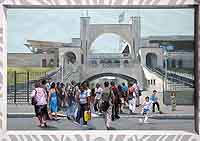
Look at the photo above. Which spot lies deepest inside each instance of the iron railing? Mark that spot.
(20, 85)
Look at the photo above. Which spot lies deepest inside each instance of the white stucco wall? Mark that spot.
(28, 59)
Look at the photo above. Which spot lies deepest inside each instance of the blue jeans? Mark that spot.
(82, 109)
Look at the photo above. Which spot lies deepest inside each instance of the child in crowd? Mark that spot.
(154, 100)
(146, 108)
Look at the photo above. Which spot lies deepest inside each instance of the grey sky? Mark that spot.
(63, 24)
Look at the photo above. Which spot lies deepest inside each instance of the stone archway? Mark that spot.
(151, 60)
(96, 76)
(151, 50)
(108, 41)
(129, 32)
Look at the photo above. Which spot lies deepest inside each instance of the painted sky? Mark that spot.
(63, 24)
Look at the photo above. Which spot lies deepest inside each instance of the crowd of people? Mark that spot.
(107, 100)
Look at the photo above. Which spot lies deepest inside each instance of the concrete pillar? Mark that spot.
(56, 58)
(136, 36)
(121, 63)
(84, 22)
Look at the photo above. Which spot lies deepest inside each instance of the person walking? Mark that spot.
(137, 92)
(115, 109)
(84, 104)
(131, 99)
(48, 84)
(121, 98)
(92, 100)
(62, 95)
(98, 93)
(154, 100)
(87, 89)
(71, 93)
(125, 93)
(106, 104)
(146, 108)
(59, 95)
(44, 86)
(66, 94)
(53, 99)
(39, 99)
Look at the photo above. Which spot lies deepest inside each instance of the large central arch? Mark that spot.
(123, 30)
(129, 32)
(100, 41)
(96, 76)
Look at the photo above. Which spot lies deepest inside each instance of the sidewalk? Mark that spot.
(182, 112)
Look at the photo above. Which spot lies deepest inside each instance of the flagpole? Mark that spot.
(121, 19)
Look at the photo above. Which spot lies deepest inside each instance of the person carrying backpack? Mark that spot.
(106, 104)
(39, 100)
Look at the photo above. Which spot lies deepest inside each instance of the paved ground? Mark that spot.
(98, 124)
(187, 109)
(127, 122)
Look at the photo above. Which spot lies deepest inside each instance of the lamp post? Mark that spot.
(62, 68)
(165, 82)
(45, 57)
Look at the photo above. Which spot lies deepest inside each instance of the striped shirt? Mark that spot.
(83, 97)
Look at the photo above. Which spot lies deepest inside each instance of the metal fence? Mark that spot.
(181, 85)
(20, 85)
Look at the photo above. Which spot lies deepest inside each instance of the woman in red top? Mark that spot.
(131, 98)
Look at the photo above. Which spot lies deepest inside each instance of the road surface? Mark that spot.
(123, 123)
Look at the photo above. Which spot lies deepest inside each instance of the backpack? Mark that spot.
(104, 103)
(34, 100)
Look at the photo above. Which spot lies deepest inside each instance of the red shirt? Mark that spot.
(131, 90)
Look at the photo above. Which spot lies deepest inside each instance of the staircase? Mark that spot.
(72, 72)
(174, 81)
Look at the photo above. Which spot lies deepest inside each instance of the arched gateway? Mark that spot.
(129, 32)
(96, 76)
(88, 34)
(75, 59)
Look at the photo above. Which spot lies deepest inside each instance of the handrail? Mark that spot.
(175, 77)
(172, 78)
(53, 73)
(154, 71)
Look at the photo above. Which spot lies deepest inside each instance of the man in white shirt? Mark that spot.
(98, 92)
(137, 89)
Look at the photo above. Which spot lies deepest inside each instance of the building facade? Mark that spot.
(75, 57)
